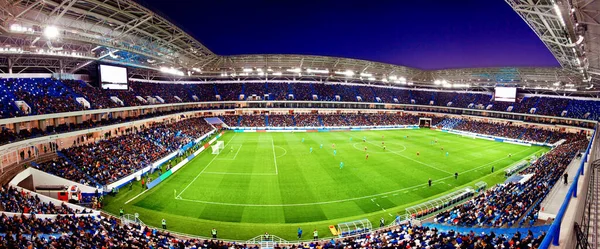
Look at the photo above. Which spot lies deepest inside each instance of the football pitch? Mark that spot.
(272, 182)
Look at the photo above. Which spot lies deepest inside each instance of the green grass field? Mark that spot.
(271, 182)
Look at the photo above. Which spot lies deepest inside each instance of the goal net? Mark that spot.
(218, 147)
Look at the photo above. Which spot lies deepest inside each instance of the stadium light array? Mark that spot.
(461, 85)
(170, 70)
(559, 14)
(51, 32)
(15, 27)
(323, 71)
(247, 70)
(366, 75)
(260, 73)
(393, 77)
(294, 70)
(277, 73)
(347, 73)
(371, 78)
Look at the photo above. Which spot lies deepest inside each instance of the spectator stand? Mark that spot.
(436, 205)
(354, 227)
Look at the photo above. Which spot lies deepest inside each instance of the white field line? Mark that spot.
(241, 174)
(275, 156)
(234, 157)
(406, 190)
(205, 167)
(136, 196)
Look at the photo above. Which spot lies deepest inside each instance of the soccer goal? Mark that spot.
(218, 147)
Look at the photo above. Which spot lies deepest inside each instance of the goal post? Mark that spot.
(425, 122)
(218, 147)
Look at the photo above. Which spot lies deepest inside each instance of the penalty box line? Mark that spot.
(204, 169)
(234, 156)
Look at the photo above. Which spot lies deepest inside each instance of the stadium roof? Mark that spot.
(66, 36)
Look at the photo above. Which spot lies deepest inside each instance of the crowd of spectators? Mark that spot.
(252, 121)
(49, 96)
(506, 205)
(280, 120)
(411, 236)
(303, 120)
(68, 231)
(317, 120)
(509, 130)
(9, 136)
(14, 201)
(108, 160)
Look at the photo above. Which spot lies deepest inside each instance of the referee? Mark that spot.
(213, 232)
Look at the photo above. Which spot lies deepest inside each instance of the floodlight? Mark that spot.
(324, 71)
(348, 73)
(247, 70)
(365, 75)
(277, 73)
(51, 32)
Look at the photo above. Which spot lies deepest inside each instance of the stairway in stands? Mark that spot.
(593, 216)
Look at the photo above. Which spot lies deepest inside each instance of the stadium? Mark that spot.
(121, 130)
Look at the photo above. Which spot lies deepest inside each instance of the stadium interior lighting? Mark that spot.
(259, 69)
(579, 40)
(247, 70)
(366, 75)
(243, 74)
(393, 77)
(559, 14)
(324, 71)
(51, 32)
(461, 85)
(277, 73)
(347, 73)
(294, 70)
(269, 70)
(15, 27)
(171, 70)
(197, 69)
(402, 79)
(260, 73)
(371, 78)
(223, 74)
(384, 79)
(556, 84)
(571, 90)
(569, 85)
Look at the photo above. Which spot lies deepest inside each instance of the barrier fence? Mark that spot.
(553, 235)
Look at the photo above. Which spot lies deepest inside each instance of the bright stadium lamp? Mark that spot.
(51, 32)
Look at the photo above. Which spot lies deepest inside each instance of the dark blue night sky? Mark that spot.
(422, 34)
